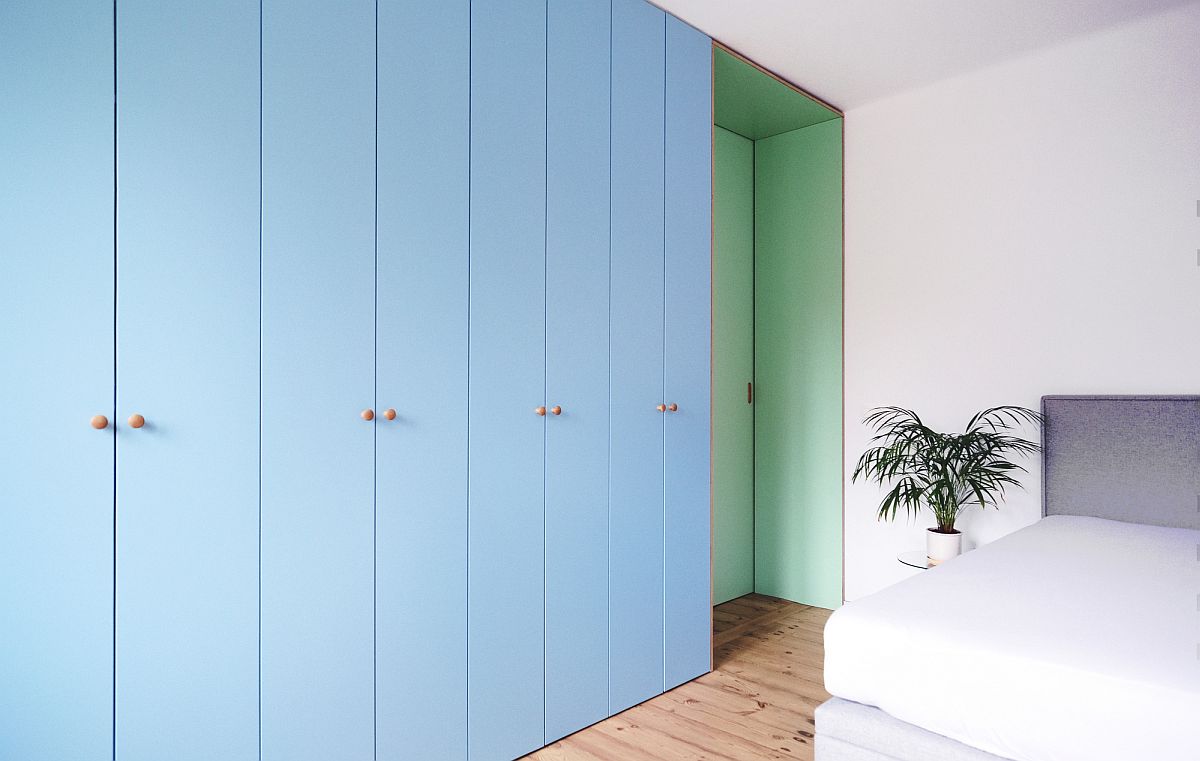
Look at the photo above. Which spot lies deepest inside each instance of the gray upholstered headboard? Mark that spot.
(1126, 458)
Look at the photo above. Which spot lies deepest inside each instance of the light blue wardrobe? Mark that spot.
(577, 364)
(317, 683)
(56, 380)
(687, 320)
(659, 529)
(637, 498)
(507, 380)
(187, 360)
(422, 288)
(360, 392)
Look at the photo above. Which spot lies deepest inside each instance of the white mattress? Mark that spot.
(1074, 638)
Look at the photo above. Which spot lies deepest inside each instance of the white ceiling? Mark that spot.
(850, 52)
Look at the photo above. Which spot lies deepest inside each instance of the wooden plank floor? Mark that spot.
(757, 703)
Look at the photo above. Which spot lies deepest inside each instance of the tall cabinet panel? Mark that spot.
(56, 347)
(636, 377)
(577, 197)
(421, 361)
(187, 361)
(318, 351)
(688, 344)
(507, 379)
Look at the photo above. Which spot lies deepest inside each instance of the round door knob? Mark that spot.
(368, 414)
(556, 410)
(661, 408)
(136, 421)
(673, 407)
(99, 422)
(540, 411)
(389, 413)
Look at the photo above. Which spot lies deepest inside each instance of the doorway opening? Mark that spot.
(777, 339)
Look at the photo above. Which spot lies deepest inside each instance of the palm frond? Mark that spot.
(944, 472)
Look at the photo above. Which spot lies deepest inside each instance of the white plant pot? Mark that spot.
(941, 547)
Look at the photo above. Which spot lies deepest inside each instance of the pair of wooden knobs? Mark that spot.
(100, 422)
(541, 411)
(369, 414)
(672, 407)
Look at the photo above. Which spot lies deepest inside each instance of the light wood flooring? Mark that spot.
(757, 703)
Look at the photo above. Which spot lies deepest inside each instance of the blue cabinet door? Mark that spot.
(505, 671)
(636, 375)
(688, 338)
(577, 365)
(421, 453)
(187, 361)
(56, 348)
(318, 375)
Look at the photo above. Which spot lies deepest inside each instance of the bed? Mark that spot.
(1075, 638)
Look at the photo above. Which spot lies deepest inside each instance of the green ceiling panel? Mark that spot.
(756, 105)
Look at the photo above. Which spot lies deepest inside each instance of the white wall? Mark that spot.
(1027, 229)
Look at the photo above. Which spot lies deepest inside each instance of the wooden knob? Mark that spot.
(99, 422)
(136, 421)
(556, 410)
(389, 413)
(540, 411)
(673, 407)
(368, 414)
(661, 408)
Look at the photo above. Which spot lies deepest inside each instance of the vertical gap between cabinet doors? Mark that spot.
(260, 362)
(375, 432)
(114, 390)
(467, 469)
(608, 370)
(545, 331)
(666, 74)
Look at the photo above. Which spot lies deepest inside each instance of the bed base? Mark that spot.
(848, 731)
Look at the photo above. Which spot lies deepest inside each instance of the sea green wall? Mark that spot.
(798, 365)
(733, 366)
(777, 291)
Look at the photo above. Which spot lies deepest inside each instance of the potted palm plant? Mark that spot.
(945, 472)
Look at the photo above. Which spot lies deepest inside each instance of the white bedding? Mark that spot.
(1071, 639)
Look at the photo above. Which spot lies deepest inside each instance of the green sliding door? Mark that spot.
(798, 364)
(733, 369)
